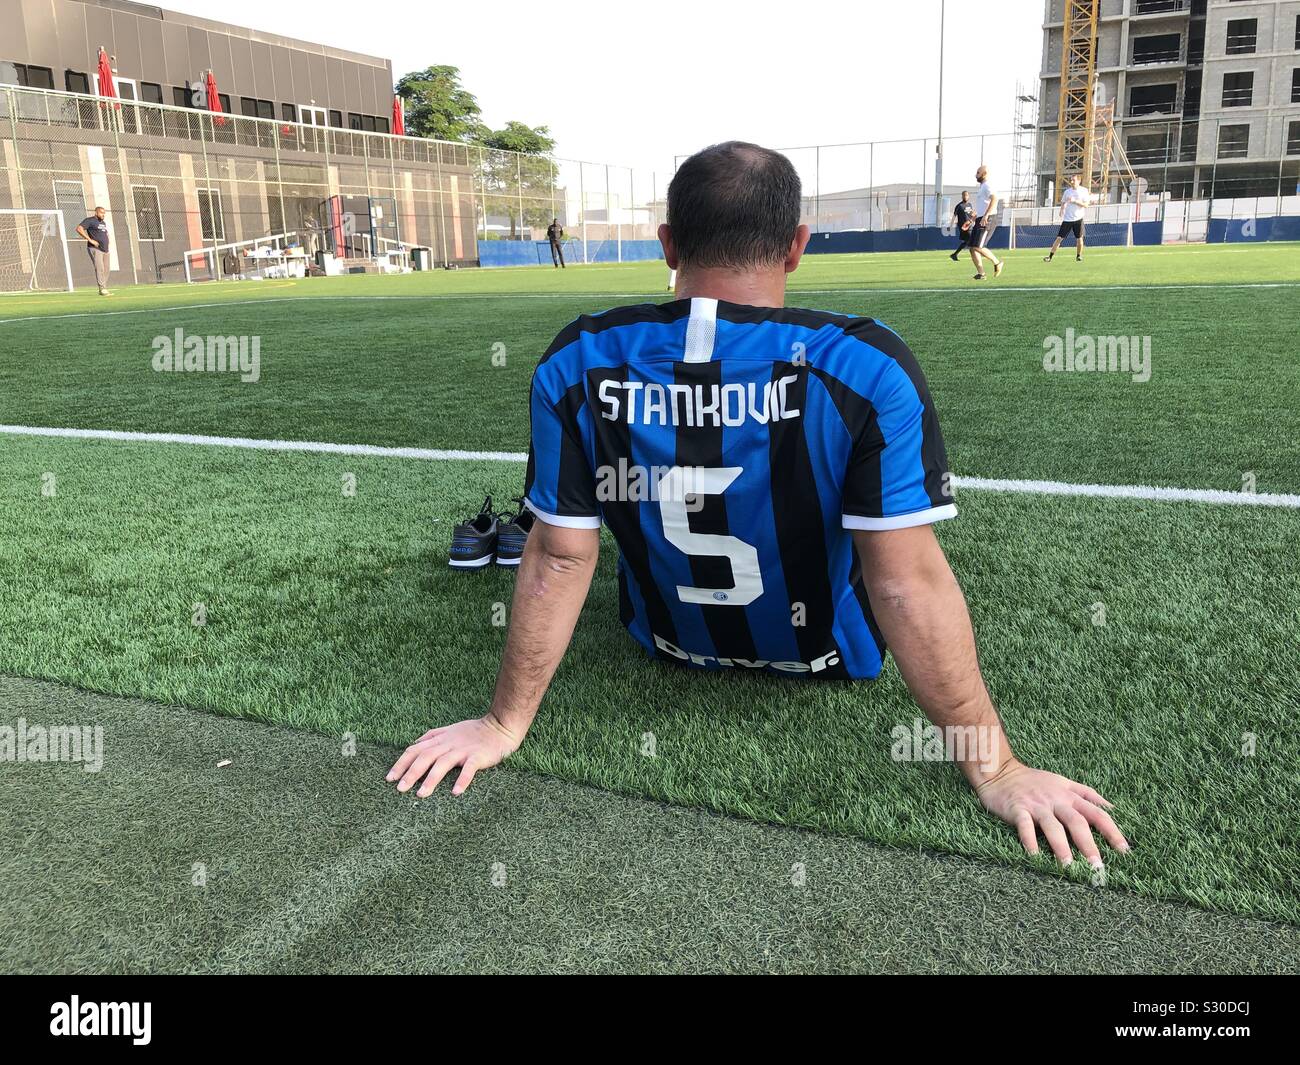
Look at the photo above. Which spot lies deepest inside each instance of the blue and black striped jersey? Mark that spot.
(731, 450)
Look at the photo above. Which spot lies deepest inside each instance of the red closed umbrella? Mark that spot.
(214, 99)
(105, 76)
(399, 117)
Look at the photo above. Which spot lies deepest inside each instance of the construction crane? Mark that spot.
(1074, 142)
(1088, 143)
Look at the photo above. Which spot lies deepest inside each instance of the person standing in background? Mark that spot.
(1073, 202)
(964, 216)
(555, 234)
(94, 230)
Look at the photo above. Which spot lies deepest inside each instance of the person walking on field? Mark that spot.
(94, 231)
(555, 234)
(986, 206)
(964, 217)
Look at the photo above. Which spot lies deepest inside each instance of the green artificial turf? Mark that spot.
(384, 364)
(332, 613)
(338, 613)
(291, 859)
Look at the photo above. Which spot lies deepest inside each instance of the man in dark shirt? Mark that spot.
(963, 214)
(94, 231)
(555, 234)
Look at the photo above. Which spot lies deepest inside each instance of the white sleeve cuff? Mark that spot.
(564, 521)
(901, 521)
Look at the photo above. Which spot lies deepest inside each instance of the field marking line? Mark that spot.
(795, 293)
(984, 484)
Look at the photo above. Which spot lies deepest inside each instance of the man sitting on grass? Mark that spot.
(771, 476)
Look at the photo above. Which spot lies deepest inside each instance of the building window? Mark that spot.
(148, 213)
(1293, 139)
(1153, 99)
(27, 76)
(1234, 142)
(1158, 48)
(70, 199)
(248, 106)
(151, 92)
(211, 224)
(336, 119)
(288, 112)
(1146, 149)
(381, 125)
(1238, 88)
(354, 120)
(181, 96)
(224, 100)
(77, 81)
(1295, 86)
(1242, 33)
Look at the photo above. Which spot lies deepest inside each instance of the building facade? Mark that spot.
(300, 149)
(1206, 94)
(162, 57)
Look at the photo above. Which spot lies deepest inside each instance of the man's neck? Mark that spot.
(756, 288)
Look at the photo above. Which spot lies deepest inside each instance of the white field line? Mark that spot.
(793, 295)
(986, 484)
(325, 896)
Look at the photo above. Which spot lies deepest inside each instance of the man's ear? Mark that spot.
(670, 249)
(797, 246)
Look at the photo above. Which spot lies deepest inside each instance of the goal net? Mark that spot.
(33, 252)
(1096, 234)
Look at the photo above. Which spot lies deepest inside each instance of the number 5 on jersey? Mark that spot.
(674, 488)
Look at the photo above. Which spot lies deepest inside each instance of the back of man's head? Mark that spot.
(734, 206)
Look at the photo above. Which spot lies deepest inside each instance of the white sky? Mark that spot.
(636, 84)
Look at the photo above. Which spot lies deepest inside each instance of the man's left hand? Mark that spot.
(1037, 801)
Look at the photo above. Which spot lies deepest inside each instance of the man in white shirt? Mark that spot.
(1073, 201)
(986, 205)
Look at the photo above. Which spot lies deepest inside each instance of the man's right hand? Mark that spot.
(95, 242)
(479, 743)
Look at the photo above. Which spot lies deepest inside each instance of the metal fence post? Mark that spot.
(582, 206)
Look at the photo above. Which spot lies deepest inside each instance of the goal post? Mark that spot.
(34, 251)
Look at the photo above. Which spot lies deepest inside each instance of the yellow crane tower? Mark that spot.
(1088, 143)
(1075, 139)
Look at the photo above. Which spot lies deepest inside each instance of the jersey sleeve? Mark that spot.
(560, 487)
(898, 467)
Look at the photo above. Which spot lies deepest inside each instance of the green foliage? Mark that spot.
(438, 106)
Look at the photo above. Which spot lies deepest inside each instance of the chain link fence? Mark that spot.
(900, 184)
(191, 193)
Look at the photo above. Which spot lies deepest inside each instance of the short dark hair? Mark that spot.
(734, 205)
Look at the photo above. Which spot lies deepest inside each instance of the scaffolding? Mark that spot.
(1024, 150)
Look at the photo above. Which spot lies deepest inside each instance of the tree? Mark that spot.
(439, 107)
(519, 175)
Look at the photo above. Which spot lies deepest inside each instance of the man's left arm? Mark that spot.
(552, 584)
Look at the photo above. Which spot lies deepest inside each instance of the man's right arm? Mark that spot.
(81, 232)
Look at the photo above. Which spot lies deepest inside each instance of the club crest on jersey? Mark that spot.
(830, 658)
(650, 403)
